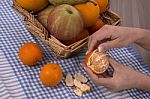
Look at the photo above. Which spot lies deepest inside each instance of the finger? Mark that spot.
(96, 80)
(114, 63)
(91, 74)
(106, 74)
(89, 40)
(91, 45)
(97, 37)
(108, 45)
(83, 64)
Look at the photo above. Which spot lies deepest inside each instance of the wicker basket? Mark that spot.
(55, 45)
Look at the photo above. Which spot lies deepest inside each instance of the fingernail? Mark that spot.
(84, 68)
(87, 52)
(99, 49)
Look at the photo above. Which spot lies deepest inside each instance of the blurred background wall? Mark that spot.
(134, 13)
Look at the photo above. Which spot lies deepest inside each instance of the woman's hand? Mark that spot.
(113, 37)
(123, 78)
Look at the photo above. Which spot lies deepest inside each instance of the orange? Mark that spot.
(30, 53)
(80, 36)
(87, 58)
(103, 4)
(33, 5)
(99, 23)
(51, 74)
(97, 62)
(89, 12)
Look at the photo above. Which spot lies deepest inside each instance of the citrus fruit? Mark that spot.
(69, 80)
(33, 5)
(30, 53)
(51, 74)
(89, 12)
(99, 23)
(103, 4)
(80, 77)
(97, 62)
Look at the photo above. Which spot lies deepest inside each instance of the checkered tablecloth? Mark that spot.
(20, 81)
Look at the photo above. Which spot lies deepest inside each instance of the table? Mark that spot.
(20, 81)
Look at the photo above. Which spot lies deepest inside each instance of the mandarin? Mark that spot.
(97, 61)
(89, 12)
(30, 53)
(103, 4)
(33, 5)
(51, 74)
(99, 23)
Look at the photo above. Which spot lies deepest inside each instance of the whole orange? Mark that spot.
(89, 12)
(51, 74)
(103, 4)
(33, 5)
(30, 53)
(99, 23)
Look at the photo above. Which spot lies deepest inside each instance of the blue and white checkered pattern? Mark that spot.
(13, 34)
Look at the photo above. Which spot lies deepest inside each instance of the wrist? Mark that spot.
(143, 82)
(141, 33)
(143, 38)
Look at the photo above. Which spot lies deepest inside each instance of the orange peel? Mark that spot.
(97, 62)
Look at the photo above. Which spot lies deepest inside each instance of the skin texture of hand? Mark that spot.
(123, 78)
(116, 36)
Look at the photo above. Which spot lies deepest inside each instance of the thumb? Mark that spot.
(114, 64)
(108, 45)
(96, 79)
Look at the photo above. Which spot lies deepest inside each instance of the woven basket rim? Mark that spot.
(61, 50)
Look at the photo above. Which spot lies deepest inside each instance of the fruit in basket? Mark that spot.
(99, 23)
(80, 36)
(71, 2)
(65, 22)
(43, 15)
(51, 74)
(89, 12)
(33, 5)
(30, 53)
(103, 4)
(84, 33)
(97, 62)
